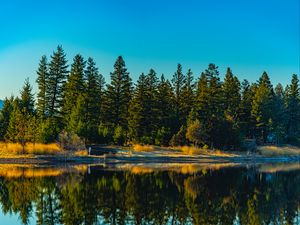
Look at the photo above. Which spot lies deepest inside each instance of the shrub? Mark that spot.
(71, 141)
(195, 133)
(119, 135)
(179, 139)
(163, 136)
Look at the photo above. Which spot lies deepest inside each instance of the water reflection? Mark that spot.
(182, 194)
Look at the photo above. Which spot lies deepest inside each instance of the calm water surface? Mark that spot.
(266, 194)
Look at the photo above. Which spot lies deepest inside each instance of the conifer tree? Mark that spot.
(57, 77)
(74, 86)
(263, 106)
(293, 107)
(232, 96)
(5, 114)
(178, 82)
(94, 87)
(27, 99)
(118, 95)
(188, 96)
(42, 81)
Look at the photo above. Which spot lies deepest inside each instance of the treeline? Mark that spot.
(204, 111)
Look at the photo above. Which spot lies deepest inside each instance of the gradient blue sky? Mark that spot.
(249, 36)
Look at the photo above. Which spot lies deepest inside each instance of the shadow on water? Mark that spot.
(152, 194)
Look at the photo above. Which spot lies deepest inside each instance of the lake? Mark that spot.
(151, 194)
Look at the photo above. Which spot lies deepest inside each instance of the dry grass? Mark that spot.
(82, 153)
(270, 150)
(143, 148)
(35, 149)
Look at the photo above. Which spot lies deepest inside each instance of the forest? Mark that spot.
(185, 110)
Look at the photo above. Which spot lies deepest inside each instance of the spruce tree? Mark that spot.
(178, 82)
(42, 80)
(94, 89)
(118, 95)
(188, 96)
(57, 77)
(74, 86)
(5, 114)
(293, 107)
(232, 96)
(27, 99)
(263, 107)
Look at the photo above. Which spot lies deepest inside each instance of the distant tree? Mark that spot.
(247, 122)
(232, 96)
(58, 72)
(279, 117)
(27, 99)
(42, 81)
(263, 106)
(118, 95)
(5, 114)
(94, 89)
(74, 86)
(188, 96)
(195, 133)
(293, 107)
(178, 82)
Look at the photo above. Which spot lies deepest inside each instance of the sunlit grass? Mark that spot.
(30, 148)
(143, 148)
(270, 150)
(81, 153)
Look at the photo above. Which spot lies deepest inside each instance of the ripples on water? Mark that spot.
(151, 194)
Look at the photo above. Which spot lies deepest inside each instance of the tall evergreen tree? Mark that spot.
(232, 96)
(263, 106)
(188, 96)
(118, 95)
(42, 80)
(5, 114)
(27, 99)
(74, 86)
(57, 77)
(178, 82)
(94, 99)
(293, 107)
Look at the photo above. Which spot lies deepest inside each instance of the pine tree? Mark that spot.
(27, 99)
(165, 105)
(118, 95)
(293, 107)
(5, 114)
(247, 122)
(188, 96)
(279, 116)
(94, 99)
(178, 82)
(232, 96)
(74, 86)
(263, 106)
(143, 119)
(57, 77)
(42, 80)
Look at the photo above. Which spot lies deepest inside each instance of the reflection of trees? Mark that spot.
(213, 197)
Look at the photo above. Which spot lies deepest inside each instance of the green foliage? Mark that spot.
(48, 130)
(118, 95)
(179, 139)
(58, 71)
(195, 133)
(42, 81)
(119, 135)
(156, 111)
(163, 136)
(71, 141)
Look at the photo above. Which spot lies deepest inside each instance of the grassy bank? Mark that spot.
(285, 150)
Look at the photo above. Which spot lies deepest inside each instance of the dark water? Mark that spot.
(230, 195)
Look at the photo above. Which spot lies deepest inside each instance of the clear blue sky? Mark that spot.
(249, 36)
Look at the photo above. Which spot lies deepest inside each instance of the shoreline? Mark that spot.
(144, 158)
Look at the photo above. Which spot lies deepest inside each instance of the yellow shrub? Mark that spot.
(143, 148)
(38, 149)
